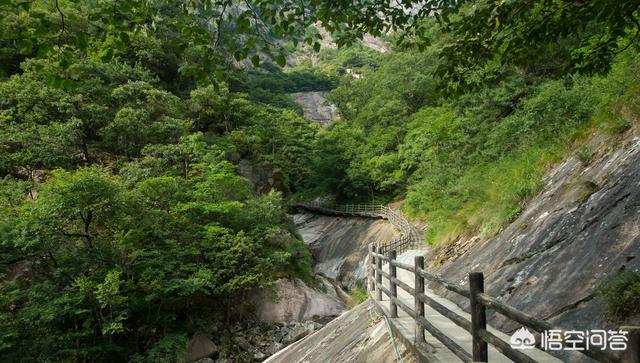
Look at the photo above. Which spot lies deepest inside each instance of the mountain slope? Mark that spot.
(579, 231)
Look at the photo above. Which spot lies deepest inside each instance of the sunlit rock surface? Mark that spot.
(293, 300)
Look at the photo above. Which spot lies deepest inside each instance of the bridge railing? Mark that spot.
(409, 238)
(479, 303)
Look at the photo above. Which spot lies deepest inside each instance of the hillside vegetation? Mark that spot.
(125, 128)
(467, 160)
(124, 226)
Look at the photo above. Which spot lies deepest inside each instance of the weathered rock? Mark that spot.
(263, 179)
(356, 336)
(548, 261)
(242, 343)
(315, 106)
(339, 245)
(259, 356)
(298, 331)
(199, 347)
(295, 301)
(274, 347)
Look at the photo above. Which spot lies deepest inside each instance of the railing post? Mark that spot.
(393, 288)
(378, 277)
(478, 317)
(419, 305)
(372, 271)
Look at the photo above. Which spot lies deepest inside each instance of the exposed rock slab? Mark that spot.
(567, 240)
(262, 178)
(293, 300)
(315, 106)
(339, 245)
(199, 347)
(358, 335)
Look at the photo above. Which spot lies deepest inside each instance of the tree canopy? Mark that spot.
(148, 148)
(205, 35)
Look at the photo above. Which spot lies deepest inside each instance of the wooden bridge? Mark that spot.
(436, 329)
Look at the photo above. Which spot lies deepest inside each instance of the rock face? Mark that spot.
(339, 245)
(356, 336)
(315, 106)
(295, 301)
(262, 179)
(199, 347)
(583, 227)
(253, 341)
(339, 248)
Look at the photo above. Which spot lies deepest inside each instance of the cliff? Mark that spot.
(579, 231)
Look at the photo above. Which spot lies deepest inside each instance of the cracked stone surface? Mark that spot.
(583, 227)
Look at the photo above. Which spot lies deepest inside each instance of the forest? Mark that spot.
(125, 225)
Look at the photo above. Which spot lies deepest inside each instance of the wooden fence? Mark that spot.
(479, 303)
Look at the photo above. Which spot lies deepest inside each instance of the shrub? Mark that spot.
(357, 296)
(622, 292)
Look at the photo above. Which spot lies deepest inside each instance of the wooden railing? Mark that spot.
(409, 235)
(479, 303)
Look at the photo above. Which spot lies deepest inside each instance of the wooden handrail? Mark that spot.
(538, 325)
(479, 302)
(444, 283)
(450, 314)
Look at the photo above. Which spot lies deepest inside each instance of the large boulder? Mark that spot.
(199, 347)
(292, 300)
(315, 106)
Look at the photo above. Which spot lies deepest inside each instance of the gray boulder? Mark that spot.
(200, 347)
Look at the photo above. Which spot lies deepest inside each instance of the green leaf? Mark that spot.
(107, 56)
(316, 47)
(25, 45)
(255, 60)
(281, 60)
(124, 37)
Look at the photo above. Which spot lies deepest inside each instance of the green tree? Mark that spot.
(118, 272)
(145, 115)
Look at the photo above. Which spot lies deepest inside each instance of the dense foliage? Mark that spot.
(465, 162)
(144, 167)
(121, 264)
(126, 225)
(204, 35)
